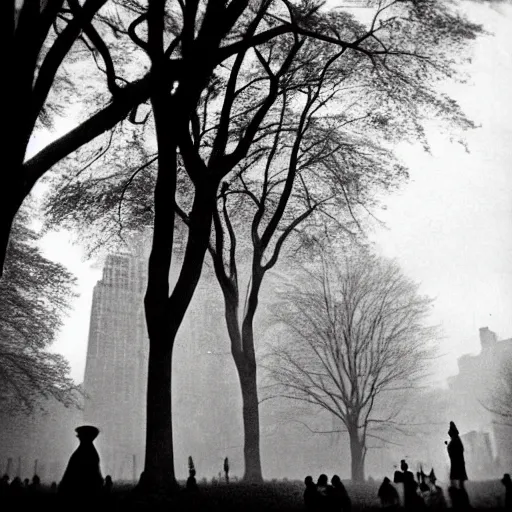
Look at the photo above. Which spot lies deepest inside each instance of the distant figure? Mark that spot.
(108, 484)
(458, 475)
(322, 484)
(412, 500)
(53, 487)
(191, 480)
(4, 483)
(507, 482)
(339, 498)
(82, 478)
(16, 487)
(388, 495)
(422, 477)
(436, 499)
(36, 482)
(310, 495)
(226, 469)
(323, 490)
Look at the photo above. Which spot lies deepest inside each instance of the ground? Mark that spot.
(235, 497)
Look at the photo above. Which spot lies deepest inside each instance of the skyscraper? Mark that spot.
(116, 365)
(116, 375)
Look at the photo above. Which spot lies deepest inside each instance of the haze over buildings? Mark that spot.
(207, 402)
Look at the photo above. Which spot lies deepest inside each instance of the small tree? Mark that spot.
(356, 340)
(191, 467)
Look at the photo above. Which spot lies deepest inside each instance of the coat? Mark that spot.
(82, 476)
(456, 454)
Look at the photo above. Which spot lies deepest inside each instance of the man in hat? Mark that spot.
(82, 478)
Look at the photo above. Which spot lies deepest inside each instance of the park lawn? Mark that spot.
(244, 497)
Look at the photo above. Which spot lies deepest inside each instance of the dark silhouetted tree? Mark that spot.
(354, 335)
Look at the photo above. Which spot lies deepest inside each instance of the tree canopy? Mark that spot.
(34, 295)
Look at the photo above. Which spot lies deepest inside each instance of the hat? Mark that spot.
(453, 429)
(87, 432)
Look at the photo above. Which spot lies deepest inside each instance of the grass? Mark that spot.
(240, 496)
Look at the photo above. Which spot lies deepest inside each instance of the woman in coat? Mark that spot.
(82, 478)
(458, 475)
(456, 453)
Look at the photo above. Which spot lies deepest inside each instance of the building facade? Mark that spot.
(471, 393)
(116, 365)
(116, 375)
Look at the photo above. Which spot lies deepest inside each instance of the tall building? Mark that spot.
(116, 375)
(472, 388)
(116, 365)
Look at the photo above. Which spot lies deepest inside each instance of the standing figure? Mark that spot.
(388, 495)
(191, 480)
(310, 495)
(507, 482)
(458, 475)
(412, 500)
(82, 478)
(323, 490)
(436, 499)
(339, 498)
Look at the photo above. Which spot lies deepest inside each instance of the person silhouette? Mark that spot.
(108, 484)
(458, 475)
(388, 495)
(436, 499)
(455, 449)
(310, 495)
(507, 482)
(339, 497)
(82, 479)
(191, 480)
(323, 491)
(36, 483)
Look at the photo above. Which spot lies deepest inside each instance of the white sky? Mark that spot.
(450, 227)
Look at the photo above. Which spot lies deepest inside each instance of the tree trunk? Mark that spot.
(357, 454)
(159, 473)
(242, 349)
(251, 417)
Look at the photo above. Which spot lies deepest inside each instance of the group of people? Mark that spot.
(419, 493)
(323, 496)
(83, 481)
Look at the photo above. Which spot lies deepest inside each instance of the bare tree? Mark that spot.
(355, 338)
(307, 167)
(34, 295)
